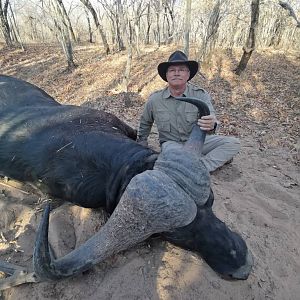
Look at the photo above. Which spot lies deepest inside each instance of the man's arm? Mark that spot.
(209, 123)
(146, 123)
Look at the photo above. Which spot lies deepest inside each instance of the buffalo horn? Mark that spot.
(197, 136)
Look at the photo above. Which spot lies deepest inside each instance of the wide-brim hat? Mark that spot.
(176, 58)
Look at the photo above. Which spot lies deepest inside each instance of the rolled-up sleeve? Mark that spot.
(208, 100)
(146, 122)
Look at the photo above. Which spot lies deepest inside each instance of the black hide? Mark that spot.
(78, 154)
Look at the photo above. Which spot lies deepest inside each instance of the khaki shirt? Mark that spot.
(174, 119)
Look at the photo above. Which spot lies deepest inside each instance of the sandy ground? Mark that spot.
(258, 195)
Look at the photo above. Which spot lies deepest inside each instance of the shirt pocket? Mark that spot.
(191, 116)
(163, 121)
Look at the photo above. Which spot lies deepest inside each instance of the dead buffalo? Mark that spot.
(90, 158)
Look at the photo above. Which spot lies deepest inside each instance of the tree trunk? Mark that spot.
(277, 32)
(158, 25)
(33, 34)
(250, 44)
(125, 27)
(114, 15)
(120, 27)
(187, 27)
(67, 20)
(17, 33)
(168, 23)
(211, 33)
(63, 34)
(119, 38)
(89, 6)
(137, 38)
(148, 24)
(5, 28)
(138, 11)
(89, 25)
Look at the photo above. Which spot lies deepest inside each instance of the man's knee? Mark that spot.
(220, 142)
(234, 142)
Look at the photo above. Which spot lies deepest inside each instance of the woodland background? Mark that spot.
(130, 24)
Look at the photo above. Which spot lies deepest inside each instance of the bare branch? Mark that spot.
(288, 7)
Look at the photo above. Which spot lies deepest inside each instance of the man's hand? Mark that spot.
(207, 123)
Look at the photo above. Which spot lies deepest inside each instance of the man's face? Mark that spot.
(178, 75)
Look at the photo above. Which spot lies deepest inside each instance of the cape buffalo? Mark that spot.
(90, 157)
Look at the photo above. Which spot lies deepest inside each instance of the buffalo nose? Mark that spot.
(244, 271)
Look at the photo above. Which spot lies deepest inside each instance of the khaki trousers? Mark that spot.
(218, 150)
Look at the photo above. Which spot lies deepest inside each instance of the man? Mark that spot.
(175, 119)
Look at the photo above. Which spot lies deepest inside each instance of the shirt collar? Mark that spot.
(167, 93)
